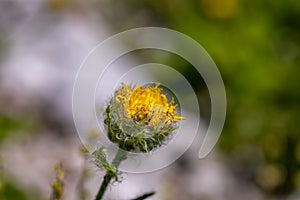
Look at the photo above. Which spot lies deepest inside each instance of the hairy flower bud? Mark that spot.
(140, 119)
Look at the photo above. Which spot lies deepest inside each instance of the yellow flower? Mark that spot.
(141, 118)
(147, 104)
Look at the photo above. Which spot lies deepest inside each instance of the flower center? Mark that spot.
(150, 104)
(147, 104)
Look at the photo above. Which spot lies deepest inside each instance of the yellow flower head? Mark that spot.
(147, 104)
(141, 118)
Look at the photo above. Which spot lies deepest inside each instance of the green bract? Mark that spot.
(133, 136)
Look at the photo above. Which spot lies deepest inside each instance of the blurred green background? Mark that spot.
(256, 46)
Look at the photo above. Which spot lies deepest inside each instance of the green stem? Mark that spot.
(119, 157)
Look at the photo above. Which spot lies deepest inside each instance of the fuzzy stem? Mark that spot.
(119, 157)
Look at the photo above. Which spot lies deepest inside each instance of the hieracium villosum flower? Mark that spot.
(140, 118)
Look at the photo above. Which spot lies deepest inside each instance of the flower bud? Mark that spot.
(140, 118)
